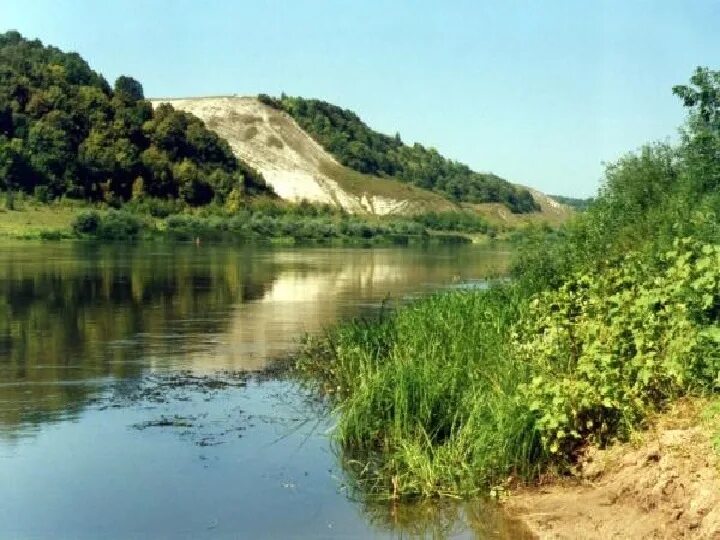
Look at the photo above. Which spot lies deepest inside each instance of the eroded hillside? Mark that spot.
(298, 168)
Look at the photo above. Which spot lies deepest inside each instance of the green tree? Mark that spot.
(128, 89)
(702, 135)
(192, 188)
(64, 129)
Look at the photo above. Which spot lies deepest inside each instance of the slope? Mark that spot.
(299, 168)
(295, 165)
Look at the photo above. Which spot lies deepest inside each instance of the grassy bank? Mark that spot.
(427, 395)
(256, 221)
(467, 391)
(35, 221)
(606, 322)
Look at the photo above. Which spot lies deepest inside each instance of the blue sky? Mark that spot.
(541, 93)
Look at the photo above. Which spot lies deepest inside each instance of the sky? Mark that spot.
(539, 92)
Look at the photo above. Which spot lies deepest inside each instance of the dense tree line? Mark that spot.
(360, 148)
(262, 219)
(65, 131)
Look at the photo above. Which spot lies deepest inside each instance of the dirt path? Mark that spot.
(665, 486)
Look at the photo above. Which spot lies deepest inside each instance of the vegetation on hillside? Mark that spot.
(65, 132)
(360, 148)
(603, 323)
(573, 202)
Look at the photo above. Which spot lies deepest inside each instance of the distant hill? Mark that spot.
(357, 146)
(298, 167)
(65, 131)
(578, 204)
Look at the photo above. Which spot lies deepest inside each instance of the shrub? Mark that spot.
(607, 347)
(42, 194)
(118, 225)
(52, 234)
(86, 222)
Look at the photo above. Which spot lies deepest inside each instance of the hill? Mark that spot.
(65, 132)
(298, 167)
(573, 202)
(295, 165)
(362, 149)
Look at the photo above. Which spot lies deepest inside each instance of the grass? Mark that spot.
(427, 396)
(31, 221)
(361, 185)
(466, 391)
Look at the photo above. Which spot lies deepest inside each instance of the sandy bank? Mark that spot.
(664, 485)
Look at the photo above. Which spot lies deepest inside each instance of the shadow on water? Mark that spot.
(134, 382)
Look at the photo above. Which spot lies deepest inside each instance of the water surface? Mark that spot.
(131, 405)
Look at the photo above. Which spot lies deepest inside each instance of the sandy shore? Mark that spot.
(665, 484)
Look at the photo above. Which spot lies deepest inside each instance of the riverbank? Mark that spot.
(665, 483)
(38, 221)
(259, 222)
(609, 321)
(469, 393)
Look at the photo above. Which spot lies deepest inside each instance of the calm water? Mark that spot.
(125, 411)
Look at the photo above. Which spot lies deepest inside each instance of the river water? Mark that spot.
(136, 399)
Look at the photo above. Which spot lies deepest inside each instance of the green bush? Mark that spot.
(118, 225)
(42, 194)
(52, 234)
(9, 200)
(86, 222)
(113, 225)
(607, 347)
(455, 221)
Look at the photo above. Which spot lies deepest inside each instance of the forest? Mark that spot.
(64, 131)
(358, 147)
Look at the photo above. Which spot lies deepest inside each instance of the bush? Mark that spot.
(52, 234)
(118, 225)
(86, 222)
(42, 194)
(454, 221)
(607, 347)
(115, 225)
(158, 208)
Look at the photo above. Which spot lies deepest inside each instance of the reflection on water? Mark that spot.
(80, 323)
(73, 315)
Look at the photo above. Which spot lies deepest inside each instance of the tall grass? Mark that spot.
(463, 391)
(428, 395)
(606, 321)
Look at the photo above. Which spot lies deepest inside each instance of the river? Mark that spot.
(140, 395)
